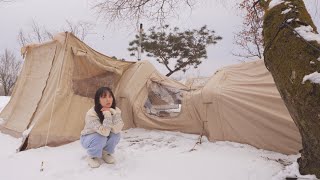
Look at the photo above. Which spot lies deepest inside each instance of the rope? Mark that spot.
(199, 141)
(291, 28)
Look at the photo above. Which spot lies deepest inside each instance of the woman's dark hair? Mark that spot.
(101, 92)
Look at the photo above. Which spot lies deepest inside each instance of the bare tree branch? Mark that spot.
(36, 35)
(81, 29)
(249, 39)
(133, 10)
(40, 34)
(6, 1)
(37, 32)
(22, 38)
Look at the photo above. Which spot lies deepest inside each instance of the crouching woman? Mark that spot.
(101, 132)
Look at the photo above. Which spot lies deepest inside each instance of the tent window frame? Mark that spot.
(158, 118)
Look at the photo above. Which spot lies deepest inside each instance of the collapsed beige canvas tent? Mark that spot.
(238, 103)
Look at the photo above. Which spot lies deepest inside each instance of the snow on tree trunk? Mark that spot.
(291, 58)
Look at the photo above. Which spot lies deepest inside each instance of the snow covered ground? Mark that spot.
(145, 154)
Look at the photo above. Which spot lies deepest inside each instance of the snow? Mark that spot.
(313, 77)
(274, 3)
(27, 131)
(311, 62)
(3, 102)
(144, 154)
(292, 171)
(286, 11)
(307, 33)
(318, 59)
(147, 154)
(289, 20)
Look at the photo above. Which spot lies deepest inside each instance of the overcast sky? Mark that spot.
(113, 40)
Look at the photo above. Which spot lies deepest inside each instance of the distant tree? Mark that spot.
(249, 38)
(114, 57)
(9, 69)
(172, 46)
(5, 1)
(40, 34)
(37, 34)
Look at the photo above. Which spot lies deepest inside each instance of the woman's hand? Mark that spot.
(105, 109)
(115, 111)
(106, 112)
(103, 131)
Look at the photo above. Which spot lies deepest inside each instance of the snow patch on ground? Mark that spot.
(4, 101)
(313, 77)
(143, 155)
(293, 171)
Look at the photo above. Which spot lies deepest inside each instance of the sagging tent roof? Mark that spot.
(244, 105)
(55, 88)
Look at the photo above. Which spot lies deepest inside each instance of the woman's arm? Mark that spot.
(92, 122)
(116, 120)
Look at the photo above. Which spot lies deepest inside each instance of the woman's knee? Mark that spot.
(114, 137)
(93, 140)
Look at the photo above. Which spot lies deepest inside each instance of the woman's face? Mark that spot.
(106, 100)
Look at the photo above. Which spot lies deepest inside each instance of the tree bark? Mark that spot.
(289, 58)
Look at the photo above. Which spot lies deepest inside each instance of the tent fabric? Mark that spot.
(244, 105)
(48, 99)
(56, 86)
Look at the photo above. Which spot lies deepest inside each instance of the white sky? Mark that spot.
(113, 40)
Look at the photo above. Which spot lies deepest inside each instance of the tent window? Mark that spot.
(87, 77)
(163, 101)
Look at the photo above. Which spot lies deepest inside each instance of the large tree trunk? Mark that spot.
(289, 58)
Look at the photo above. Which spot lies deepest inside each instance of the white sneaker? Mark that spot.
(93, 162)
(108, 158)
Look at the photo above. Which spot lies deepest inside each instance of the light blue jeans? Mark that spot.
(95, 143)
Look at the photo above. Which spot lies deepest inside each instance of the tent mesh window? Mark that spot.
(87, 77)
(163, 101)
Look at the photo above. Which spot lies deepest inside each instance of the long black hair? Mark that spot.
(101, 92)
